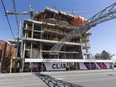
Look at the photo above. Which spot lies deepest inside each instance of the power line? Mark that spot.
(7, 19)
(15, 14)
(6, 28)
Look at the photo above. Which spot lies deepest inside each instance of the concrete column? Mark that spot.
(11, 65)
(40, 54)
(32, 30)
(26, 27)
(82, 46)
(22, 65)
(24, 49)
(41, 45)
(31, 53)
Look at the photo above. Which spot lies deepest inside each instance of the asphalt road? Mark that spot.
(100, 78)
(20, 80)
(96, 78)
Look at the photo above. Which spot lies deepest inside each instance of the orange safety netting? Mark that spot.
(77, 20)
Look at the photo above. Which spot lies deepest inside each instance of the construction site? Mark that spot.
(49, 27)
(52, 46)
(54, 40)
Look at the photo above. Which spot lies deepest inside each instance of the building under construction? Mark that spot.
(42, 32)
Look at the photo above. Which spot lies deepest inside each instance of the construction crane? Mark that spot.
(32, 13)
(106, 14)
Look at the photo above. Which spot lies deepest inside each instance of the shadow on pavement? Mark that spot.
(52, 82)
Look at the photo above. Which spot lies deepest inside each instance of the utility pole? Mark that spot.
(18, 40)
(32, 13)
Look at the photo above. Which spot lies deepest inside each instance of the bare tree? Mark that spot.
(35, 53)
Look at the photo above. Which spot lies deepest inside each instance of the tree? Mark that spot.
(98, 56)
(8, 58)
(103, 55)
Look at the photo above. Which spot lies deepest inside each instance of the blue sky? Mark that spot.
(103, 35)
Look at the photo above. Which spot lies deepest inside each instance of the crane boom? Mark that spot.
(107, 14)
(18, 13)
(32, 12)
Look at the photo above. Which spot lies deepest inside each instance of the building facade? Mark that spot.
(6, 53)
(42, 32)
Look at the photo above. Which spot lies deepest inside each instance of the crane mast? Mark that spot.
(106, 14)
